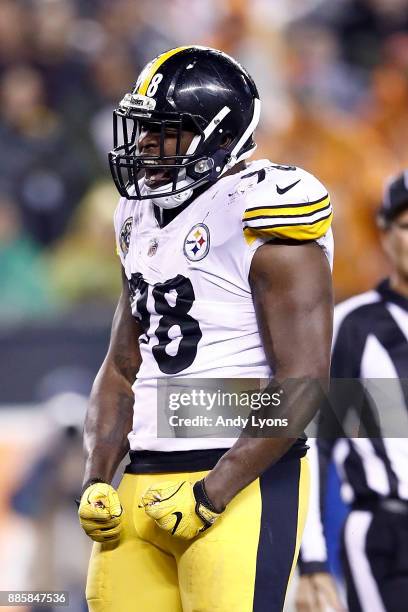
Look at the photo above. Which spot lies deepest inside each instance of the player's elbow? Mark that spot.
(315, 368)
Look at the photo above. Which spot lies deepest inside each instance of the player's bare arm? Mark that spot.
(109, 416)
(292, 292)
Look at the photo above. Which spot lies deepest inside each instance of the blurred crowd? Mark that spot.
(333, 77)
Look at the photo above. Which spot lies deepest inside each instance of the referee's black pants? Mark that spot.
(375, 557)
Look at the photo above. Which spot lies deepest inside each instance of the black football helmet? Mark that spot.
(190, 88)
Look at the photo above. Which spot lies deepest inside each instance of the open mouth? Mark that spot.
(156, 177)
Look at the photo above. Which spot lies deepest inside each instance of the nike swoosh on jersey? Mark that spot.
(282, 190)
(179, 516)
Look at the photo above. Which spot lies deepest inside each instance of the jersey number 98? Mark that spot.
(177, 315)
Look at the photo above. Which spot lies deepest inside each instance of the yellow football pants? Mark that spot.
(241, 564)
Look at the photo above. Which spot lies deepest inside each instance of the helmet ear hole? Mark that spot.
(226, 139)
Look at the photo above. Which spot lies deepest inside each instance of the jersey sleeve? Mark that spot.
(289, 204)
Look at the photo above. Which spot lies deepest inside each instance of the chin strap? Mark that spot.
(170, 201)
(173, 201)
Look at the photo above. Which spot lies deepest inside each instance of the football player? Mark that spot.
(226, 274)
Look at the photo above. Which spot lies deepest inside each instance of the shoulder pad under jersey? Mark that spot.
(285, 202)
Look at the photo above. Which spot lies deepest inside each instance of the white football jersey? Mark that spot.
(189, 281)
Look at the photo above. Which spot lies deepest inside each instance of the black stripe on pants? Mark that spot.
(277, 539)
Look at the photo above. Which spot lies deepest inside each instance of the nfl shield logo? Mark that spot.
(197, 242)
(153, 247)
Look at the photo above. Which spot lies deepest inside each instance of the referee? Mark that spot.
(370, 341)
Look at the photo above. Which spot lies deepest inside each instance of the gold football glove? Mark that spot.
(100, 512)
(180, 508)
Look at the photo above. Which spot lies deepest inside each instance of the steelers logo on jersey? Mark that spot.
(124, 236)
(197, 242)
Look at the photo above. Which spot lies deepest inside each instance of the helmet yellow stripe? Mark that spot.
(156, 65)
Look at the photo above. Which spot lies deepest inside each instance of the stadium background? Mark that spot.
(333, 77)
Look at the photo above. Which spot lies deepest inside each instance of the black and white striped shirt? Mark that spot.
(370, 341)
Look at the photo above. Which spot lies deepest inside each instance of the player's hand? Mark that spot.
(100, 512)
(317, 593)
(180, 508)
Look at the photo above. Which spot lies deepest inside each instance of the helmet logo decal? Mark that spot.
(197, 242)
(124, 236)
